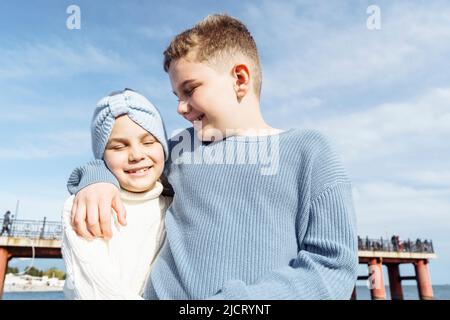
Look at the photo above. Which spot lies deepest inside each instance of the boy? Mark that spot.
(235, 230)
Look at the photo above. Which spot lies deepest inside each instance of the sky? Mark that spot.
(381, 95)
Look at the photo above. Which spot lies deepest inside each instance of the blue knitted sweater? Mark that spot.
(273, 224)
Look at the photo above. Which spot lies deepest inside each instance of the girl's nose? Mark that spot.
(136, 154)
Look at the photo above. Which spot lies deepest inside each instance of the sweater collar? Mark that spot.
(153, 193)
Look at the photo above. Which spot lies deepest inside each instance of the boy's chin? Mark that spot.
(209, 134)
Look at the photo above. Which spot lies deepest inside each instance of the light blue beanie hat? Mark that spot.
(133, 104)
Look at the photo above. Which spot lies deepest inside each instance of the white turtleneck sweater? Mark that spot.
(118, 268)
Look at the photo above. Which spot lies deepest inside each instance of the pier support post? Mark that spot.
(377, 291)
(4, 258)
(423, 280)
(395, 282)
(353, 294)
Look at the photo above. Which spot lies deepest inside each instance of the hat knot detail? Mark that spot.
(118, 105)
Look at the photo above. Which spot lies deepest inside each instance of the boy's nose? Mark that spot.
(183, 108)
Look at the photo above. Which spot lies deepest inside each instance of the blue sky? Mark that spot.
(383, 96)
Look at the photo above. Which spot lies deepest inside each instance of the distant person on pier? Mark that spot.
(129, 136)
(419, 245)
(426, 246)
(395, 240)
(6, 223)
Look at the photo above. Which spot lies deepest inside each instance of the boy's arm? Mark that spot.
(97, 191)
(92, 172)
(327, 261)
(326, 265)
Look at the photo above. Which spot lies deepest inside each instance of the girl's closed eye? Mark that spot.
(149, 142)
(117, 147)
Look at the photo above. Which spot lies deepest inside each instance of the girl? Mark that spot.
(128, 134)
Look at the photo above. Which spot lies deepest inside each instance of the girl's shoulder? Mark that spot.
(67, 209)
(68, 203)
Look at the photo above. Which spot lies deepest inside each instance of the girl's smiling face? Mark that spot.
(134, 156)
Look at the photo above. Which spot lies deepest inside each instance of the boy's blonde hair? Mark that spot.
(212, 39)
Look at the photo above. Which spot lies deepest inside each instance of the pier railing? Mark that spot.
(43, 229)
(396, 245)
(52, 230)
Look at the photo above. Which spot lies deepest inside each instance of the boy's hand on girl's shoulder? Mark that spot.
(91, 210)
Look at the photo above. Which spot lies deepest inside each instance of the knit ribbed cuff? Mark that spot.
(94, 171)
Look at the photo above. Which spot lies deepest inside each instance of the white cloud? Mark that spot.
(393, 129)
(437, 178)
(307, 48)
(386, 206)
(46, 145)
(37, 114)
(57, 58)
(156, 32)
(36, 204)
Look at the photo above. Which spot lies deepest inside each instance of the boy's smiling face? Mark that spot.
(205, 94)
(134, 156)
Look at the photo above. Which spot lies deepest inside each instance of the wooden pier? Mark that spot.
(378, 252)
(29, 239)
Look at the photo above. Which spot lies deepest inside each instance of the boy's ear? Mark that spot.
(241, 74)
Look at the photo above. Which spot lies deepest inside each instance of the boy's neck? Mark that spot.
(254, 123)
(257, 129)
